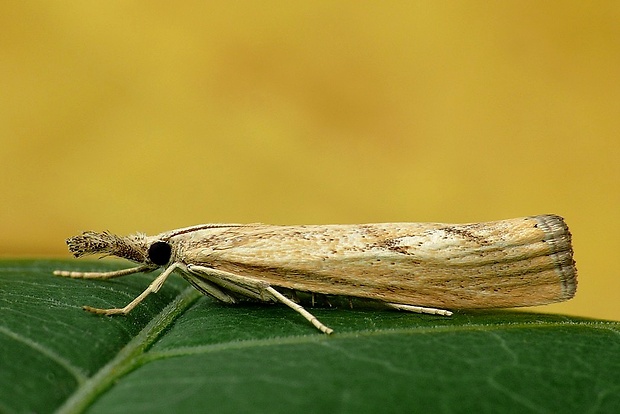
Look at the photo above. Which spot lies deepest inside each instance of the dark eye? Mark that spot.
(159, 253)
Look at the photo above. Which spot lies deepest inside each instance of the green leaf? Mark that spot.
(181, 352)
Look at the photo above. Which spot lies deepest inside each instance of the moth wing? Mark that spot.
(498, 264)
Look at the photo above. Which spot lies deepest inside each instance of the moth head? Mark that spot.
(133, 247)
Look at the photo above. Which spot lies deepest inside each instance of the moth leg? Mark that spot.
(152, 288)
(256, 289)
(420, 309)
(102, 275)
(300, 309)
(209, 288)
(203, 275)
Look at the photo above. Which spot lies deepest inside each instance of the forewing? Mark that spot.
(499, 264)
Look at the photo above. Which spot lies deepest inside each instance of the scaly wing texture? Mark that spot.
(518, 262)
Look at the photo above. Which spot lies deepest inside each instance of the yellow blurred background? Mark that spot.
(152, 115)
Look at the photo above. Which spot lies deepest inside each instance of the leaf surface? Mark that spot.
(181, 352)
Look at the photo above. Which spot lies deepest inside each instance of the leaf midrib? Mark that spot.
(128, 357)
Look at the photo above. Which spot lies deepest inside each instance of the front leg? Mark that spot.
(152, 288)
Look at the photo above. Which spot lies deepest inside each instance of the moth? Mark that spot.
(417, 267)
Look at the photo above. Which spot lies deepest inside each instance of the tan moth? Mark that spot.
(417, 267)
